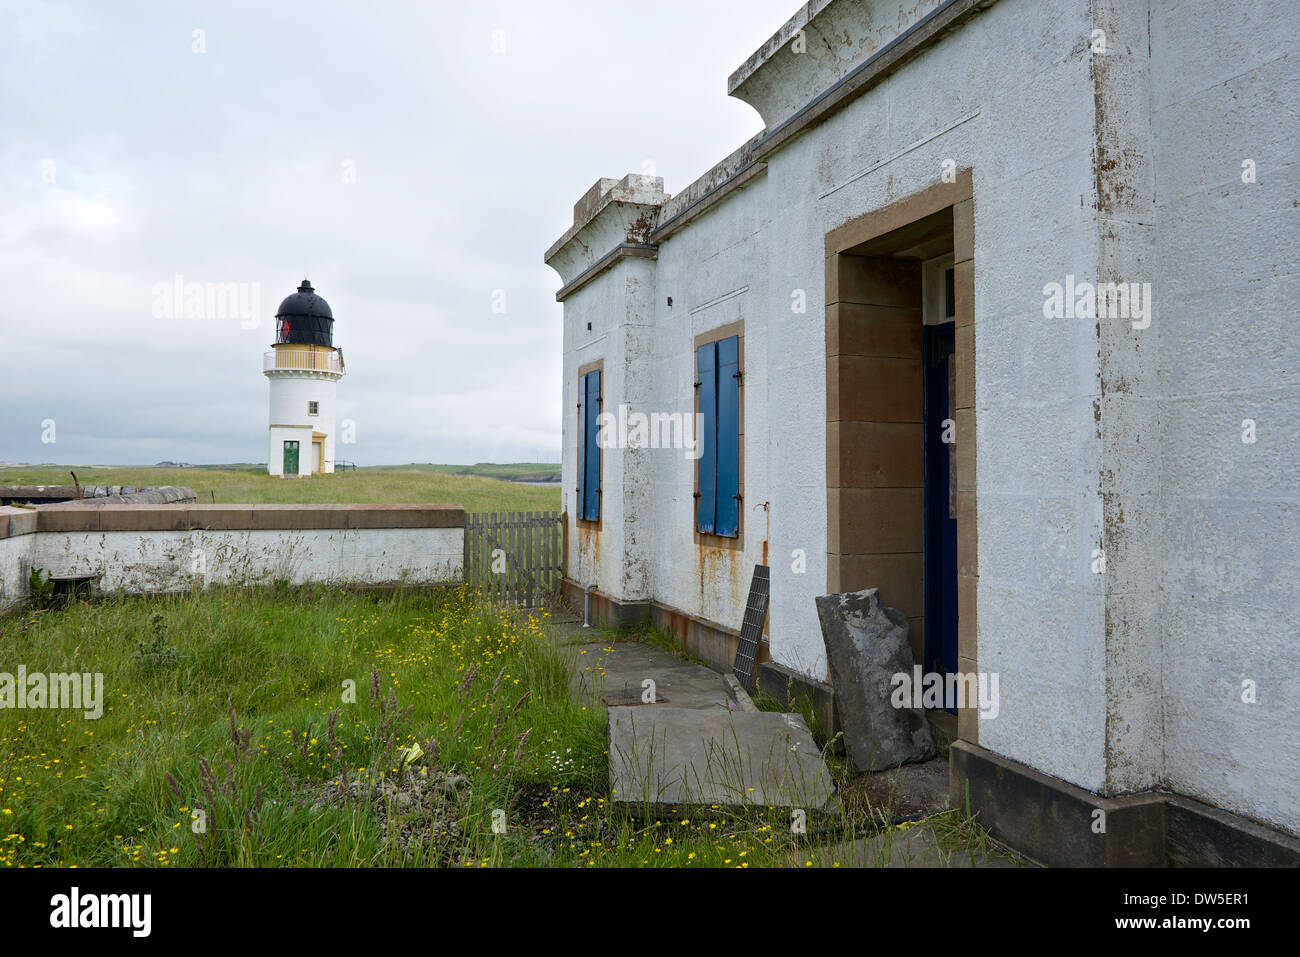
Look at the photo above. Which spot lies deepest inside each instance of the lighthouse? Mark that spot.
(304, 367)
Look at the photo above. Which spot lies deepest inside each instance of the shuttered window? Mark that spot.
(717, 366)
(588, 449)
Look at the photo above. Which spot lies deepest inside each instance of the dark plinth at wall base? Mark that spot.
(1198, 835)
(708, 641)
(1055, 823)
(1050, 820)
(711, 643)
(601, 608)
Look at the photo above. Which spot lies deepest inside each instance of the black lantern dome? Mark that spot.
(304, 317)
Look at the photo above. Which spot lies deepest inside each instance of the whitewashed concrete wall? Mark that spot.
(716, 272)
(1225, 89)
(157, 561)
(326, 544)
(16, 553)
(616, 306)
(1036, 380)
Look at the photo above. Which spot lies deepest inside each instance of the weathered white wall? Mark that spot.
(1226, 88)
(1036, 380)
(715, 271)
(605, 557)
(16, 554)
(424, 549)
(153, 561)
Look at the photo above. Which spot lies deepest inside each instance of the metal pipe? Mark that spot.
(586, 605)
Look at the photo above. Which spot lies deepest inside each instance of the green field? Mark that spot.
(510, 471)
(403, 484)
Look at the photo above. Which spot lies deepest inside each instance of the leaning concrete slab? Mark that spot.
(866, 646)
(661, 755)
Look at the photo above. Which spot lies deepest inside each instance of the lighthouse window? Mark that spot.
(313, 408)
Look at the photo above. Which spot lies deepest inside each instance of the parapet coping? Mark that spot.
(171, 518)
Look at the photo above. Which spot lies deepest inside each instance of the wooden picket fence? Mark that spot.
(515, 558)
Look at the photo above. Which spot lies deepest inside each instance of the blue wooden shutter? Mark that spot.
(590, 454)
(582, 445)
(728, 442)
(707, 403)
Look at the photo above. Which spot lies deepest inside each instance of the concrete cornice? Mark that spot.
(732, 173)
(622, 251)
(819, 46)
(773, 45)
(871, 66)
(792, 91)
(613, 213)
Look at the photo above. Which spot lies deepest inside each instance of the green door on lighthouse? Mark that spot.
(290, 458)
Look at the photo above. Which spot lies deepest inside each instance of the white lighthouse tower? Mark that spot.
(304, 368)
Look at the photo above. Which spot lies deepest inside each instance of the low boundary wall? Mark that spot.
(142, 549)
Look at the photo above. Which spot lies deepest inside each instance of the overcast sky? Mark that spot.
(410, 158)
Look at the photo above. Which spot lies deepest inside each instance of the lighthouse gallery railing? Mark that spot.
(309, 360)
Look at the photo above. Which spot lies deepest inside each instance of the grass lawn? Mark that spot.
(399, 485)
(516, 471)
(326, 727)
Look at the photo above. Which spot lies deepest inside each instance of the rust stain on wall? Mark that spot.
(589, 548)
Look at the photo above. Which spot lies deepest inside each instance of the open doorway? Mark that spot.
(939, 418)
(899, 346)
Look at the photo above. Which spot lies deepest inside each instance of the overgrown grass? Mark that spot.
(326, 727)
(365, 486)
(271, 665)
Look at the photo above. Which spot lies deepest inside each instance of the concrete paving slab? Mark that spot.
(614, 674)
(665, 755)
(569, 631)
(916, 846)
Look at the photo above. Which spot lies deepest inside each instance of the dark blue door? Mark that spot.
(940, 504)
(589, 447)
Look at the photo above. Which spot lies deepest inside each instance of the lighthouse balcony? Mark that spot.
(307, 359)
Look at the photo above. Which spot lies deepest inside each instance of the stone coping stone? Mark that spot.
(16, 521)
(177, 517)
